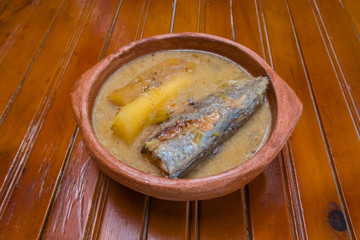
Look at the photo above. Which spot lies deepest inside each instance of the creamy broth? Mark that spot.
(211, 71)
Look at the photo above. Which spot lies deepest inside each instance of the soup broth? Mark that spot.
(208, 72)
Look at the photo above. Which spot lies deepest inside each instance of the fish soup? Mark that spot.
(198, 74)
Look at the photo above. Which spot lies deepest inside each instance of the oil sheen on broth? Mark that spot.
(210, 72)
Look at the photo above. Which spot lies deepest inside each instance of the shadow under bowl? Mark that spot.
(286, 109)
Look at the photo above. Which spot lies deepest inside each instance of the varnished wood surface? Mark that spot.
(51, 189)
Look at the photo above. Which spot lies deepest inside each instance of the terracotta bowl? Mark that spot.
(285, 106)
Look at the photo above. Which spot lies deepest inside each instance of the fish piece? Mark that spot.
(195, 133)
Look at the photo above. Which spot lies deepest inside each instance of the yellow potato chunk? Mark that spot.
(160, 116)
(124, 95)
(136, 115)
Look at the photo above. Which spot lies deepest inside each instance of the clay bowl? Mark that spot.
(285, 106)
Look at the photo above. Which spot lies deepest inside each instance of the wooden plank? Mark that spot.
(342, 41)
(22, 46)
(186, 16)
(110, 224)
(123, 213)
(268, 206)
(221, 24)
(267, 190)
(38, 87)
(353, 9)
(13, 15)
(30, 199)
(124, 31)
(128, 26)
(246, 25)
(192, 228)
(167, 220)
(3, 6)
(314, 158)
(156, 217)
(336, 119)
(279, 31)
(66, 194)
(311, 163)
(158, 19)
(72, 208)
(222, 218)
(107, 222)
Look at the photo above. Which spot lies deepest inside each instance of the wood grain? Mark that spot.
(127, 21)
(321, 181)
(353, 10)
(13, 15)
(127, 25)
(123, 214)
(167, 220)
(222, 218)
(104, 222)
(336, 118)
(21, 46)
(137, 18)
(72, 209)
(220, 26)
(343, 56)
(231, 219)
(42, 79)
(266, 190)
(51, 189)
(150, 224)
(159, 15)
(186, 16)
(268, 206)
(41, 167)
(246, 25)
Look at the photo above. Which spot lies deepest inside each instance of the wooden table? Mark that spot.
(50, 187)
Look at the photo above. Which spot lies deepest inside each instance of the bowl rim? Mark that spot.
(186, 189)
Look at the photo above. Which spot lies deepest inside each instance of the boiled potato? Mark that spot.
(136, 115)
(125, 95)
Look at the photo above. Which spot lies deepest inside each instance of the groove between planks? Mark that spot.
(93, 229)
(343, 82)
(100, 177)
(321, 125)
(3, 53)
(349, 102)
(199, 18)
(30, 137)
(103, 182)
(57, 186)
(293, 192)
(293, 200)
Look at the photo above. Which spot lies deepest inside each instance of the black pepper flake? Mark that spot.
(191, 101)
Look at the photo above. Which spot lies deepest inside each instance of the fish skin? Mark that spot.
(195, 134)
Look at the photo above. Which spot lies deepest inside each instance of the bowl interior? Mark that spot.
(220, 184)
